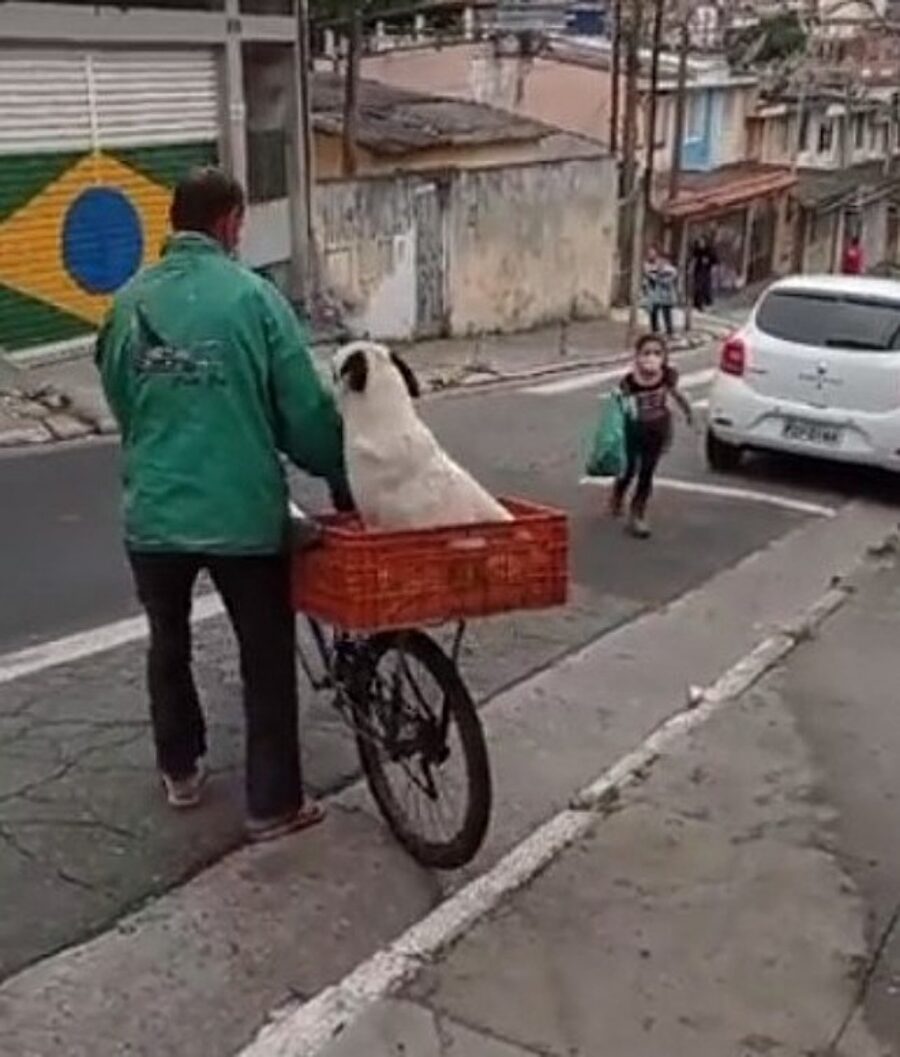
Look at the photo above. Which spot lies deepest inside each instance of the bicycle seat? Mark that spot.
(305, 534)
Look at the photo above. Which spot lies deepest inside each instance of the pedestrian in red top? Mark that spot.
(852, 263)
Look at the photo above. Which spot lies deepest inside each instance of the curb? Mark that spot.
(305, 1030)
(77, 424)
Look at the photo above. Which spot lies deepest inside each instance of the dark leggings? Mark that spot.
(644, 447)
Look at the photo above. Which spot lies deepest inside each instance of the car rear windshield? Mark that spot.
(836, 321)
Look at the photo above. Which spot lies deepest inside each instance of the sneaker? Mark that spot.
(186, 792)
(260, 830)
(638, 527)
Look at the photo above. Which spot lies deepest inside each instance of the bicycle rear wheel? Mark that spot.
(416, 727)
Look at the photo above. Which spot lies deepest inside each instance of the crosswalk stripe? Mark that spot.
(593, 379)
(719, 491)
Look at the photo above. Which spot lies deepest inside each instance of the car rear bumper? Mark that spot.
(740, 416)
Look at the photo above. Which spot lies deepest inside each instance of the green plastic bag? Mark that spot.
(607, 454)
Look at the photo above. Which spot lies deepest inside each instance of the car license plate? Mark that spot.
(811, 432)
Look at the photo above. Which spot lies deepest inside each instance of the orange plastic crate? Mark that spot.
(374, 581)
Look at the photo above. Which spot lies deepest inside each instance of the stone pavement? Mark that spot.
(41, 402)
(732, 903)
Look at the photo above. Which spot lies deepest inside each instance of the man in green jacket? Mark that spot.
(207, 372)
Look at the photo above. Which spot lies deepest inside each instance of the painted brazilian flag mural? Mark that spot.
(74, 227)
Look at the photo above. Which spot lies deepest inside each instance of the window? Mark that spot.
(859, 125)
(804, 130)
(266, 164)
(267, 82)
(696, 117)
(826, 136)
(831, 321)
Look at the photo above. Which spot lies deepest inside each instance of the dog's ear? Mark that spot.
(408, 375)
(356, 371)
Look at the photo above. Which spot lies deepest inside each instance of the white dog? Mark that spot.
(399, 475)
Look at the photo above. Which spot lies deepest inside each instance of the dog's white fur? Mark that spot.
(399, 475)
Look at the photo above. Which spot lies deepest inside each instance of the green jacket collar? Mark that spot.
(193, 242)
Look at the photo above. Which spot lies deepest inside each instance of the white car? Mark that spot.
(815, 371)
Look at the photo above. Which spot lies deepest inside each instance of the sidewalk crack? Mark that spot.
(862, 991)
(445, 1039)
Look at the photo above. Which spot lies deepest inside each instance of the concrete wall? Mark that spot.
(531, 244)
(874, 233)
(367, 233)
(329, 157)
(822, 235)
(463, 252)
(573, 98)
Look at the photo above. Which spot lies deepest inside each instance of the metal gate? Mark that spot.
(430, 200)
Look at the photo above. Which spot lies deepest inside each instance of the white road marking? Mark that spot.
(720, 491)
(84, 644)
(311, 1027)
(580, 381)
(747, 494)
(596, 378)
(87, 643)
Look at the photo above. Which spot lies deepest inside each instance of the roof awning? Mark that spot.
(726, 189)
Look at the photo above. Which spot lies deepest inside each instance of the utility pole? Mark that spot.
(632, 72)
(684, 44)
(650, 125)
(616, 75)
(351, 94)
(308, 278)
(628, 206)
(636, 253)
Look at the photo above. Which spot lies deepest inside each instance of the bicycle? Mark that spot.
(397, 726)
(357, 596)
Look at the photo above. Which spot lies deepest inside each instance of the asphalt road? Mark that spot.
(74, 750)
(62, 565)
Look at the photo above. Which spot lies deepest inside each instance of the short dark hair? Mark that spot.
(204, 196)
(652, 339)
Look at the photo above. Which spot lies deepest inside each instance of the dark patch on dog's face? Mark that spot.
(408, 376)
(355, 369)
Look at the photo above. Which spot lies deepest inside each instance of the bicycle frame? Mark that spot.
(329, 652)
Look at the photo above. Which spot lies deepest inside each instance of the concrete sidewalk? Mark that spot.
(713, 912)
(42, 402)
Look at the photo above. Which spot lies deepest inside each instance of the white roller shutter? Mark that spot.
(75, 100)
(43, 102)
(148, 98)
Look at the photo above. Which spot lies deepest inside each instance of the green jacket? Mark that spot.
(207, 372)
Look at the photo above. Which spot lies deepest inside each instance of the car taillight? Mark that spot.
(734, 357)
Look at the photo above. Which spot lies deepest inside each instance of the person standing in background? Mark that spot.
(853, 262)
(660, 290)
(703, 260)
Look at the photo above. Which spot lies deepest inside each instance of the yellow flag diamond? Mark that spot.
(84, 235)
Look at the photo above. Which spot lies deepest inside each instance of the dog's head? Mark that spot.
(363, 366)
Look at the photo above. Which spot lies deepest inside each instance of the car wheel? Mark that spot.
(721, 456)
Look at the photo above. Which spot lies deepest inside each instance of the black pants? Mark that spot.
(661, 313)
(644, 447)
(255, 591)
(702, 290)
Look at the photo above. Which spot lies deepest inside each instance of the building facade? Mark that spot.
(102, 108)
